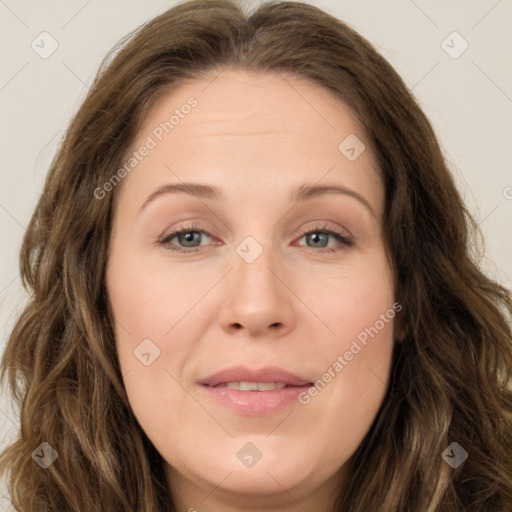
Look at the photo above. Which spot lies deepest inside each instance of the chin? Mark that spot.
(259, 466)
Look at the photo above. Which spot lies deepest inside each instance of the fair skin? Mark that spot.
(295, 306)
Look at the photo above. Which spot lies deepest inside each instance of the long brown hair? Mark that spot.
(451, 371)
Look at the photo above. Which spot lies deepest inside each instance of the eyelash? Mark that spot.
(164, 240)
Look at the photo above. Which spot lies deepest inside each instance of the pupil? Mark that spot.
(190, 236)
(316, 236)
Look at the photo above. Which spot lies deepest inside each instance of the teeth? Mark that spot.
(255, 386)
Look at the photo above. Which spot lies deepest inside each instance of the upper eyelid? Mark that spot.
(320, 228)
(190, 228)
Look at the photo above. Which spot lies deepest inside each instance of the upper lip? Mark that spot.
(244, 374)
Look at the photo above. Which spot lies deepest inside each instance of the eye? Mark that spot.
(319, 236)
(189, 237)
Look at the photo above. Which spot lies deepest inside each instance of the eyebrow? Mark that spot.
(302, 193)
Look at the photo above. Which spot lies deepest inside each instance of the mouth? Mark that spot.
(262, 379)
(253, 386)
(254, 392)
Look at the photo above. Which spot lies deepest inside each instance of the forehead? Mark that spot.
(253, 129)
(262, 104)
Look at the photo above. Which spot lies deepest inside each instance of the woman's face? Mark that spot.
(276, 280)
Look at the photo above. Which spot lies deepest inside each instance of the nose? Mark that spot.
(257, 297)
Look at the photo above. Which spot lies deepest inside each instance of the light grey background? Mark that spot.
(468, 99)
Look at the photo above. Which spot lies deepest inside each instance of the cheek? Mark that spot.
(354, 300)
(155, 314)
(355, 357)
(151, 313)
(149, 303)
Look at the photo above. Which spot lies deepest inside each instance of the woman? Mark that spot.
(330, 346)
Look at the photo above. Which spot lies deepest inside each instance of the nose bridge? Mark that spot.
(257, 299)
(253, 275)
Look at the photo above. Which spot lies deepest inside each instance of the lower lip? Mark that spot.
(255, 403)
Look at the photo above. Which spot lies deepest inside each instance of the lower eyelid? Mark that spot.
(342, 240)
(165, 239)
